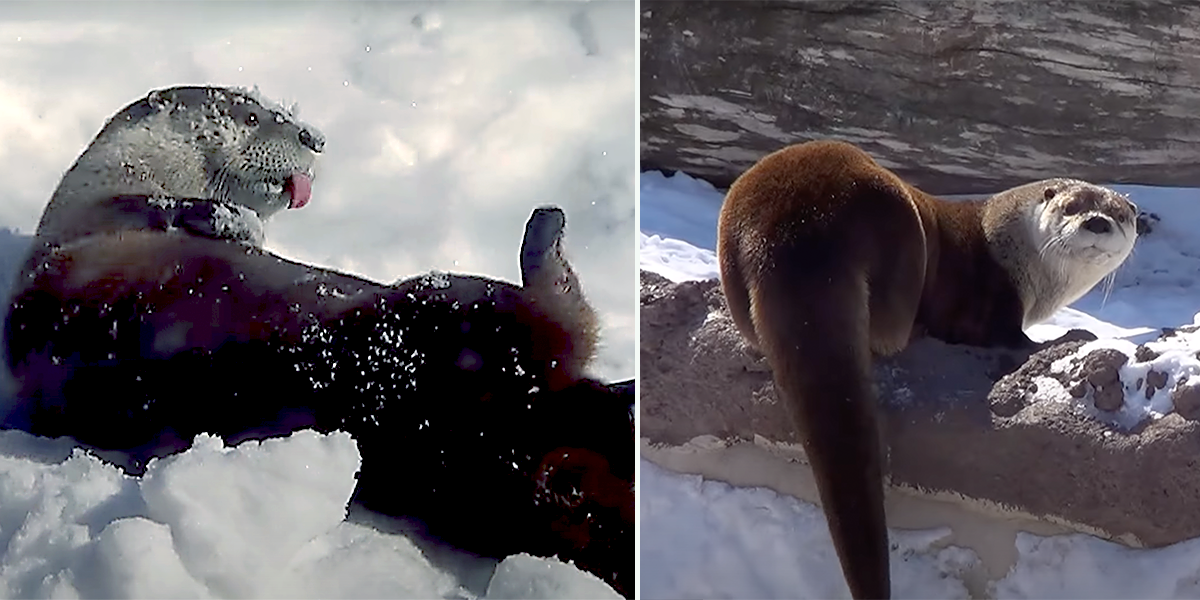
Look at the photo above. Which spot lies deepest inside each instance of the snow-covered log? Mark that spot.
(1100, 437)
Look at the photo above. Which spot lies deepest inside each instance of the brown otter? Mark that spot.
(827, 258)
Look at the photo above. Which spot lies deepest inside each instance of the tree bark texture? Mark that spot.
(955, 96)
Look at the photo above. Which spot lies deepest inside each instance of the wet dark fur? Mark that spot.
(823, 264)
(444, 388)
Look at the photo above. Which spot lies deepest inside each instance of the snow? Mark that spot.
(445, 125)
(707, 539)
(261, 519)
(702, 538)
(1177, 363)
(532, 578)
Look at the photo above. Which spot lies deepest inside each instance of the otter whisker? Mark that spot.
(1107, 285)
(1053, 242)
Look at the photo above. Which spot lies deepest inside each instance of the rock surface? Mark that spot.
(960, 422)
(956, 96)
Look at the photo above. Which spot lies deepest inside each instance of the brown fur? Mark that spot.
(555, 295)
(179, 278)
(827, 258)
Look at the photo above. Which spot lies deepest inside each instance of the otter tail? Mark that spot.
(813, 326)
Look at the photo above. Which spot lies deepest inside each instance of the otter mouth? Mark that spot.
(1098, 250)
(297, 187)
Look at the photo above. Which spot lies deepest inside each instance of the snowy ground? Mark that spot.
(446, 125)
(703, 538)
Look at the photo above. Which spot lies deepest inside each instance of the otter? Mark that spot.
(149, 313)
(827, 259)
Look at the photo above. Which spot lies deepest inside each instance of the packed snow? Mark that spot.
(702, 538)
(446, 125)
(1173, 359)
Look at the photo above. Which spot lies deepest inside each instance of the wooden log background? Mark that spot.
(956, 96)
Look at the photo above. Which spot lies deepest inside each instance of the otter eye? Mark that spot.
(1071, 209)
(252, 119)
(1049, 193)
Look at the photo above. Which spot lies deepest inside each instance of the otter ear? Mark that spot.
(157, 99)
(1048, 193)
(1133, 205)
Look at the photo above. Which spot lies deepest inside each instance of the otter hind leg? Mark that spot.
(896, 280)
(543, 239)
(552, 289)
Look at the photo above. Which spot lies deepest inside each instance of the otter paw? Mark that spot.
(221, 221)
(541, 248)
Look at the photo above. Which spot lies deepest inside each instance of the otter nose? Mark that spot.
(313, 141)
(1097, 225)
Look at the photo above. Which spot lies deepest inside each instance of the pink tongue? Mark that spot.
(301, 190)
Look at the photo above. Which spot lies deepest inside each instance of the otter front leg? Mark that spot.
(195, 216)
(214, 219)
(551, 287)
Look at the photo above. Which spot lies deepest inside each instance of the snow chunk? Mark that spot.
(378, 565)
(137, 559)
(676, 260)
(47, 515)
(240, 514)
(1152, 376)
(1081, 566)
(533, 578)
(73, 525)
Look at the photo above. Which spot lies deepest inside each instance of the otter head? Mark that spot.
(243, 150)
(1059, 238)
(1086, 223)
(213, 143)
